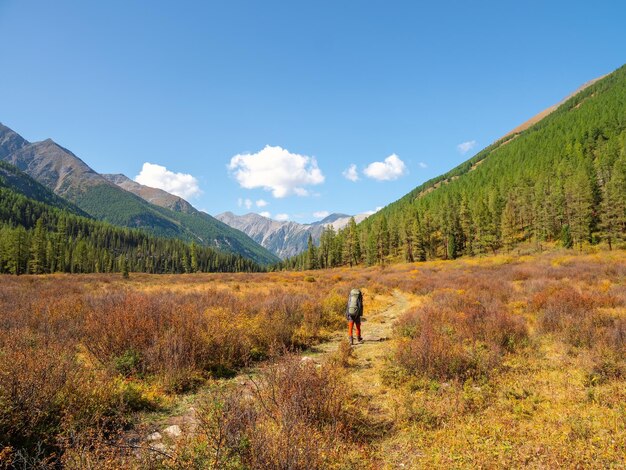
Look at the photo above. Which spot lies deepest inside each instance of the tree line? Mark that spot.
(37, 238)
(562, 180)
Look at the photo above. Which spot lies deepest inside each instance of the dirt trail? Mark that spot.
(371, 355)
(376, 328)
(369, 359)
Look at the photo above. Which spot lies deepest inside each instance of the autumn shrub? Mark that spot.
(576, 315)
(225, 420)
(163, 334)
(607, 365)
(344, 355)
(46, 395)
(616, 336)
(296, 415)
(333, 311)
(280, 315)
(85, 352)
(456, 336)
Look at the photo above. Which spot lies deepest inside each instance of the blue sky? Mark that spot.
(276, 101)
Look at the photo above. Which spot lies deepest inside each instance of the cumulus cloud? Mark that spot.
(390, 169)
(282, 217)
(277, 170)
(466, 146)
(374, 211)
(247, 203)
(351, 174)
(422, 165)
(266, 214)
(157, 176)
(321, 214)
(261, 203)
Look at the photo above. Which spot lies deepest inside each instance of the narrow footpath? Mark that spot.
(368, 360)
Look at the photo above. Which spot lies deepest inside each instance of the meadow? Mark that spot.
(498, 361)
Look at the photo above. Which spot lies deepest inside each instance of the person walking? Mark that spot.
(354, 312)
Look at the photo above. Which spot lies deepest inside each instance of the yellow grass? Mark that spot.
(548, 402)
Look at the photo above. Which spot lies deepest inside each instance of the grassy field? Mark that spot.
(487, 362)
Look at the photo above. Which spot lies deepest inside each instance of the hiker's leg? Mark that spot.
(350, 325)
(358, 329)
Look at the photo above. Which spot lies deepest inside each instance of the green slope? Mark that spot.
(42, 233)
(206, 228)
(68, 176)
(18, 181)
(560, 181)
(114, 205)
(553, 176)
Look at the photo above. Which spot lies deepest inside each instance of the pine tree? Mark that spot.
(124, 267)
(407, 240)
(566, 237)
(509, 224)
(467, 227)
(311, 254)
(579, 198)
(194, 257)
(613, 220)
(18, 251)
(353, 233)
(39, 243)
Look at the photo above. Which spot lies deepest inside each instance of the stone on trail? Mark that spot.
(158, 446)
(173, 431)
(155, 436)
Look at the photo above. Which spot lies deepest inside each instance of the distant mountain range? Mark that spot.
(558, 177)
(284, 239)
(120, 201)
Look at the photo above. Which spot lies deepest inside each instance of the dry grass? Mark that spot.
(496, 362)
(552, 398)
(78, 354)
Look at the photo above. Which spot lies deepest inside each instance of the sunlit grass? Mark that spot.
(498, 361)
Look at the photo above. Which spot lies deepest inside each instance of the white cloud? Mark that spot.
(374, 211)
(282, 217)
(157, 176)
(277, 170)
(247, 203)
(422, 165)
(466, 146)
(266, 214)
(261, 203)
(321, 214)
(350, 173)
(390, 169)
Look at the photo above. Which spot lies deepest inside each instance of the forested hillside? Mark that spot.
(20, 182)
(205, 228)
(53, 236)
(68, 176)
(561, 180)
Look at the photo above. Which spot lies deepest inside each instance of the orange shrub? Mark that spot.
(456, 336)
(575, 315)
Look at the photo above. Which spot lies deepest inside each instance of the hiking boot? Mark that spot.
(351, 339)
(359, 339)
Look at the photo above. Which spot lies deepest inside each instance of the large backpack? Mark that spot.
(353, 303)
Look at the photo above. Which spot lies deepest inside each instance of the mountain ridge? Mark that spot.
(284, 238)
(154, 196)
(71, 178)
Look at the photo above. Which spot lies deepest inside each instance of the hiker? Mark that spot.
(354, 312)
